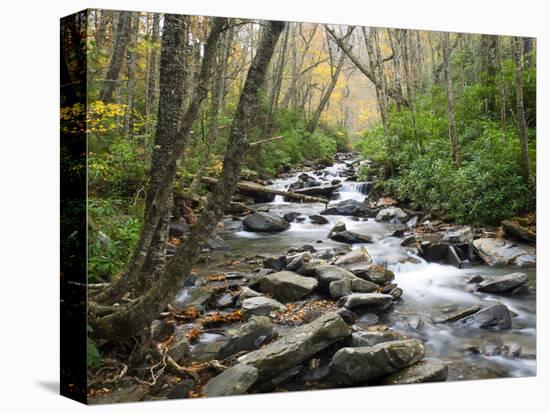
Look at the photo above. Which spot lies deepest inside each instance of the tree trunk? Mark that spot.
(117, 58)
(170, 140)
(455, 148)
(517, 48)
(152, 75)
(131, 65)
(132, 319)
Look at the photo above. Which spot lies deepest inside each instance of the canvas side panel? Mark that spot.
(73, 205)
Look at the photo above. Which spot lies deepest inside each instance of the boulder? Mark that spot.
(326, 274)
(337, 228)
(392, 215)
(277, 263)
(423, 371)
(347, 208)
(248, 336)
(374, 273)
(318, 219)
(501, 252)
(455, 316)
(295, 262)
(496, 316)
(290, 217)
(351, 237)
(360, 255)
(233, 381)
(246, 293)
(358, 365)
(265, 222)
(298, 345)
(461, 235)
(344, 287)
(375, 302)
(197, 297)
(180, 346)
(371, 338)
(287, 285)
(503, 284)
(261, 306)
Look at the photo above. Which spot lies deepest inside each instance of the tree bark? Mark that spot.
(455, 147)
(152, 74)
(117, 58)
(132, 319)
(517, 48)
(131, 69)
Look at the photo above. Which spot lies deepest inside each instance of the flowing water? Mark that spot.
(429, 288)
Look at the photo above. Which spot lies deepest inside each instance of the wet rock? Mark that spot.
(326, 274)
(247, 336)
(281, 379)
(455, 316)
(338, 227)
(409, 240)
(376, 274)
(290, 217)
(261, 306)
(371, 338)
(318, 219)
(462, 235)
(298, 345)
(181, 389)
(295, 262)
(358, 365)
(246, 293)
(416, 323)
(475, 279)
(503, 284)
(348, 316)
(277, 263)
(492, 317)
(233, 381)
(434, 252)
(412, 222)
(376, 302)
(199, 298)
(368, 319)
(347, 208)
(500, 252)
(357, 258)
(392, 215)
(350, 237)
(224, 301)
(423, 371)
(265, 222)
(179, 347)
(309, 268)
(346, 286)
(398, 233)
(161, 330)
(396, 293)
(288, 286)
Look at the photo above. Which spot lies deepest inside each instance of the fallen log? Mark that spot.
(519, 231)
(253, 187)
(319, 190)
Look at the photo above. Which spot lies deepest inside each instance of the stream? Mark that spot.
(429, 288)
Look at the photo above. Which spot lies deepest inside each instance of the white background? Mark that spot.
(29, 217)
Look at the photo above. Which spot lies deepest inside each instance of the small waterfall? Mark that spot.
(357, 187)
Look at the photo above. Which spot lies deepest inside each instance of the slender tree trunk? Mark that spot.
(517, 48)
(171, 138)
(152, 75)
(455, 148)
(132, 319)
(117, 58)
(131, 65)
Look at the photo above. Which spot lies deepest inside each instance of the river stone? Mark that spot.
(350, 237)
(287, 285)
(455, 316)
(180, 346)
(347, 208)
(337, 228)
(374, 273)
(496, 316)
(309, 268)
(360, 255)
(500, 252)
(247, 335)
(295, 262)
(357, 365)
(290, 217)
(371, 338)
(298, 345)
(197, 297)
(371, 301)
(265, 222)
(326, 274)
(233, 381)
(261, 306)
(503, 284)
(423, 371)
(392, 214)
(344, 287)
(246, 293)
(161, 330)
(276, 263)
(461, 235)
(318, 219)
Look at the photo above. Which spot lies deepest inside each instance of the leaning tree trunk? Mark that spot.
(117, 58)
(132, 319)
(455, 148)
(171, 137)
(517, 45)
